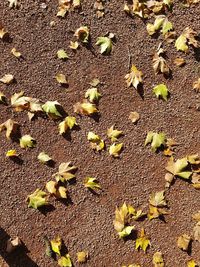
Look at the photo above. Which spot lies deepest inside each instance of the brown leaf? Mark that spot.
(11, 128)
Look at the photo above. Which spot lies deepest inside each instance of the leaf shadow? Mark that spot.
(17, 258)
(46, 209)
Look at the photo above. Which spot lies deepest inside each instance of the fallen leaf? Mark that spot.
(12, 3)
(188, 37)
(44, 157)
(142, 242)
(169, 179)
(3, 33)
(58, 191)
(74, 45)
(179, 168)
(113, 134)
(161, 91)
(11, 128)
(134, 116)
(196, 180)
(196, 85)
(158, 199)
(11, 153)
(7, 79)
(115, 149)
(65, 172)
(196, 232)
(16, 53)
(95, 82)
(126, 231)
(105, 44)
(27, 141)
(85, 108)
(183, 242)
(196, 216)
(179, 61)
(2, 98)
(82, 256)
(37, 199)
(82, 34)
(159, 63)
(12, 244)
(158, 260)
(61, 54)
(134, 78)
(93, 95)
(156, 139)
(192, 263)
(181, 43)
(61, 78)
(51, 109)
(95, 141)
(68, 123)
(56, 245)
(65, 261)
(91, 183)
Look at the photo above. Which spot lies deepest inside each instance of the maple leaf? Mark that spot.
(61, 54)
(105, 44)
(158, 260)
(37, 199)
(68, 123)
(161, 90)
(95, 141)
(115, 149)
(113, 134)
(27, 141)
(82, 256)
(85, 108)
(44, 157)
(158, 199)
(183, 242)
(142, 242)
(159, 63)
(134, 78)
(92, 183)
(56, 245)
(179, 167)
(51, 109)
(192, 263)
(156, 139)
(65, 172)
(92, 94)
(65, 261)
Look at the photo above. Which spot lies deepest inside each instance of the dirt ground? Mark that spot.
(87, 222)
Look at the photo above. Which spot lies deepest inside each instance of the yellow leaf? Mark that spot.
(61, 78)
(51, 187)
(192, 263)
(82, 34)
(142, 242)
(134, 116)
(113, 134)
(27, 141)
(11, 128)
(73, 45)
(82, 256)
(65, 172)
(92, 183)
(61, 54)
(115, 149)
(56, 245)
(11, 153)
(92, 94)
(183, 242)
(85, 108)
(16, 53)
(37, 199)
(7, 79)
(68, 123)
(158, 260)
(43, 157)
(134, 77)
(65, 261)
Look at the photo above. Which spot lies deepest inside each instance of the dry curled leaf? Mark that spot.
(134, 78)
(11, 128)
(82, 34)
(61, 79)
(65, 261)
(7, 79)
(3, 32)
(55, 189)
(183, 242)
(196, 232)
(52, 109)
(16, 53)
(11, 153)
(96, 142)
(159, 62)
(73, 45)
(134, 116)
(179, 61)
(56, 245)
(65, 6)
(12, 244)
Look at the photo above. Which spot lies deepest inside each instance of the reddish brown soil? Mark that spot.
(87, 222)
